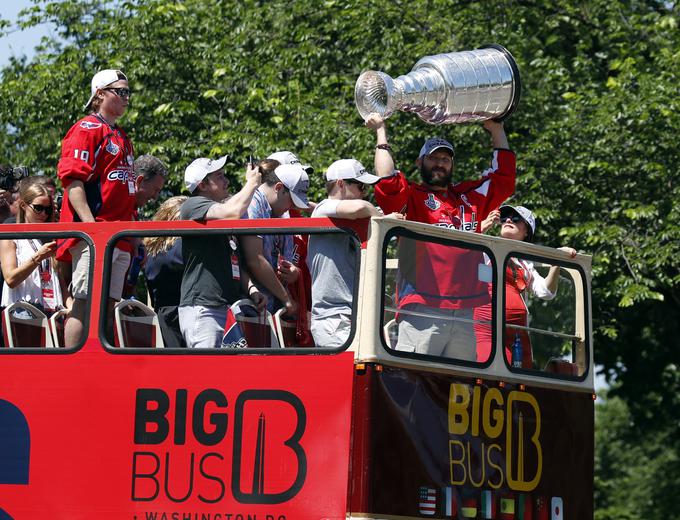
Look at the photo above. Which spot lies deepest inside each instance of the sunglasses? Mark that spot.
(38, 208)
(362, 186)
(513, 218)
(120, 92)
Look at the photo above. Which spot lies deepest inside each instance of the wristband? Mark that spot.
(383, 147)
(251, 288)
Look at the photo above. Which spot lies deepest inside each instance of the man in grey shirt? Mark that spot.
(211, 279)
(332, 258)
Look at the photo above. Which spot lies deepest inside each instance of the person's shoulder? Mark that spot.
(193, 203)
(326, 208)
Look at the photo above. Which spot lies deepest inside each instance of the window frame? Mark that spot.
(585, 318)
(398, 231)
(247, 230)
(56, 235)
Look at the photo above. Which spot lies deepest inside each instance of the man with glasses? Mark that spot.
(439, 286)
(332, 258)
(96, 170)
(269, 256)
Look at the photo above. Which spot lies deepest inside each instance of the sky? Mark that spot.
(19, 42)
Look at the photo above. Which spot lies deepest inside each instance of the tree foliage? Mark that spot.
(595, 132)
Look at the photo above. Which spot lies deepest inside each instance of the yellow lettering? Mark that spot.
(453, 462)
(493, 428)
(459, 398)
(492, 464)
(520, 484)
(469, 461)
(475, 410)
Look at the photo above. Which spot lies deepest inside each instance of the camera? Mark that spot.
(9, 176)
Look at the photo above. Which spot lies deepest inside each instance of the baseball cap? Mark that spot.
(435, 143)
(523, 212)
(286, 157)
(102, 79)
(200, 169)
(294, 177)
(350, 169)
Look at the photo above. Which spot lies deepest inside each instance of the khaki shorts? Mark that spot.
(80, 253)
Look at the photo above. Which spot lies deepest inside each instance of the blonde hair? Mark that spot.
(169, 210)
(28, 192)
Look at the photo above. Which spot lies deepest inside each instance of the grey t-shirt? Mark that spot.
(332, 262)
(207, 278)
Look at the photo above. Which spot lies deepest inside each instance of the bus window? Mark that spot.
(316, 271)
(437, 298)
(36, 303)
(544, 322)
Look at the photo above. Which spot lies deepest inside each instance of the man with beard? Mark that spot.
(440, 285)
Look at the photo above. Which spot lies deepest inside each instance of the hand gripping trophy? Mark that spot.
(446, 88)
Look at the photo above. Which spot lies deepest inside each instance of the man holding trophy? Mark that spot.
(441, 323)
(440, 285)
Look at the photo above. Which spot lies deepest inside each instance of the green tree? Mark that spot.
(595, 132)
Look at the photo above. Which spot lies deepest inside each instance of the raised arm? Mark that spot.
(238, 204)
(553, 277)
(497, 131)
(384, 164)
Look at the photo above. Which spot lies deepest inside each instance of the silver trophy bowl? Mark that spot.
(446, 88)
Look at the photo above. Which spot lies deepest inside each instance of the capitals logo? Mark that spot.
(432, 203)
(120, 175)
(89, 125)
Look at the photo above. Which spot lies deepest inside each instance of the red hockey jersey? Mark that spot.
(438, 275)
(101, 156)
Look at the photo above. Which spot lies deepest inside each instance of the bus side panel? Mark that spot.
(95, 435)
(452, 447)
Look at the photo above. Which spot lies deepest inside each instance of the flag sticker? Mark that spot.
(469, 509)
(542, 509)
(427, 500)
(450, 509)
(556, 508)
(525, 507)
(507, 507)
(488, 505)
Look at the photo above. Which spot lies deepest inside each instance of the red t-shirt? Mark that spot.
(101, 156)
(436, 275)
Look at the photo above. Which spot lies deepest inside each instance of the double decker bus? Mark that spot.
(123, 427)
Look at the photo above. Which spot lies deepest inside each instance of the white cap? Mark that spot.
(286, 157)
(523, 212)
(435, 143)
(350, 169)
(294, 177)
(102, 79)
(200, 169)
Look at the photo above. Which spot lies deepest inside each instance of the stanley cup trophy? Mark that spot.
(446, 88)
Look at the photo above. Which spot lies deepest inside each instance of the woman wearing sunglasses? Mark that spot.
(521, 279)
(27, 263)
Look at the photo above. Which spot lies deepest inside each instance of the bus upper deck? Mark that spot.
(367, 430)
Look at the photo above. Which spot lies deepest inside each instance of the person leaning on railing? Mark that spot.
(332, 258)
(521, 278)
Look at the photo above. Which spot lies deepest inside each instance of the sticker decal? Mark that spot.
(432, 203)
(89, 125)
